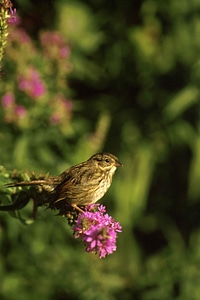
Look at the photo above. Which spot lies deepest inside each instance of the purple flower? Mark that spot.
(97, 230)
(13, 18)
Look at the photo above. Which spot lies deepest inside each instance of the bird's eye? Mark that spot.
(107, 160)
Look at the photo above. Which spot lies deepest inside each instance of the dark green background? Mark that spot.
(135, 90)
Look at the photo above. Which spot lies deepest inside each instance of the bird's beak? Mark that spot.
(118, 164)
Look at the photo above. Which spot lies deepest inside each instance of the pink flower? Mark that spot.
(32, 84)
(8, 100)
(13, 18)
(54, 45)
(12, 111)
(97, 230)
(19, 35)
(55, 118)
(64, 52)
(20, 111)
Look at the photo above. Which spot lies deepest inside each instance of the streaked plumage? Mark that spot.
(81, 184)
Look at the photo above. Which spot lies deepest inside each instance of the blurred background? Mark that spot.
(80, 77)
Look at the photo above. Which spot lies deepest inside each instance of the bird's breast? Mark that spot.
(103, 186)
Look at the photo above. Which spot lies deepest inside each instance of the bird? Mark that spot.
(80, 185)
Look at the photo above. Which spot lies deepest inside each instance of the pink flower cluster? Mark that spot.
(36, 73)
(97, 230)
(54, 45)
(32, 84)
(13, 112)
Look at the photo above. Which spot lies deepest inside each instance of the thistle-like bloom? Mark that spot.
(97, 230)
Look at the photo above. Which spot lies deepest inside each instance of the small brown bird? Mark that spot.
(81, 184)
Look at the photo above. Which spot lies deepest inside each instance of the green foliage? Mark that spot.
(132, 80)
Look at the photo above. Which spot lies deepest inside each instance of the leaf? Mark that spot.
(181, 102)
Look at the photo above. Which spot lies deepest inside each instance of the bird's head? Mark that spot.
(106, 161)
